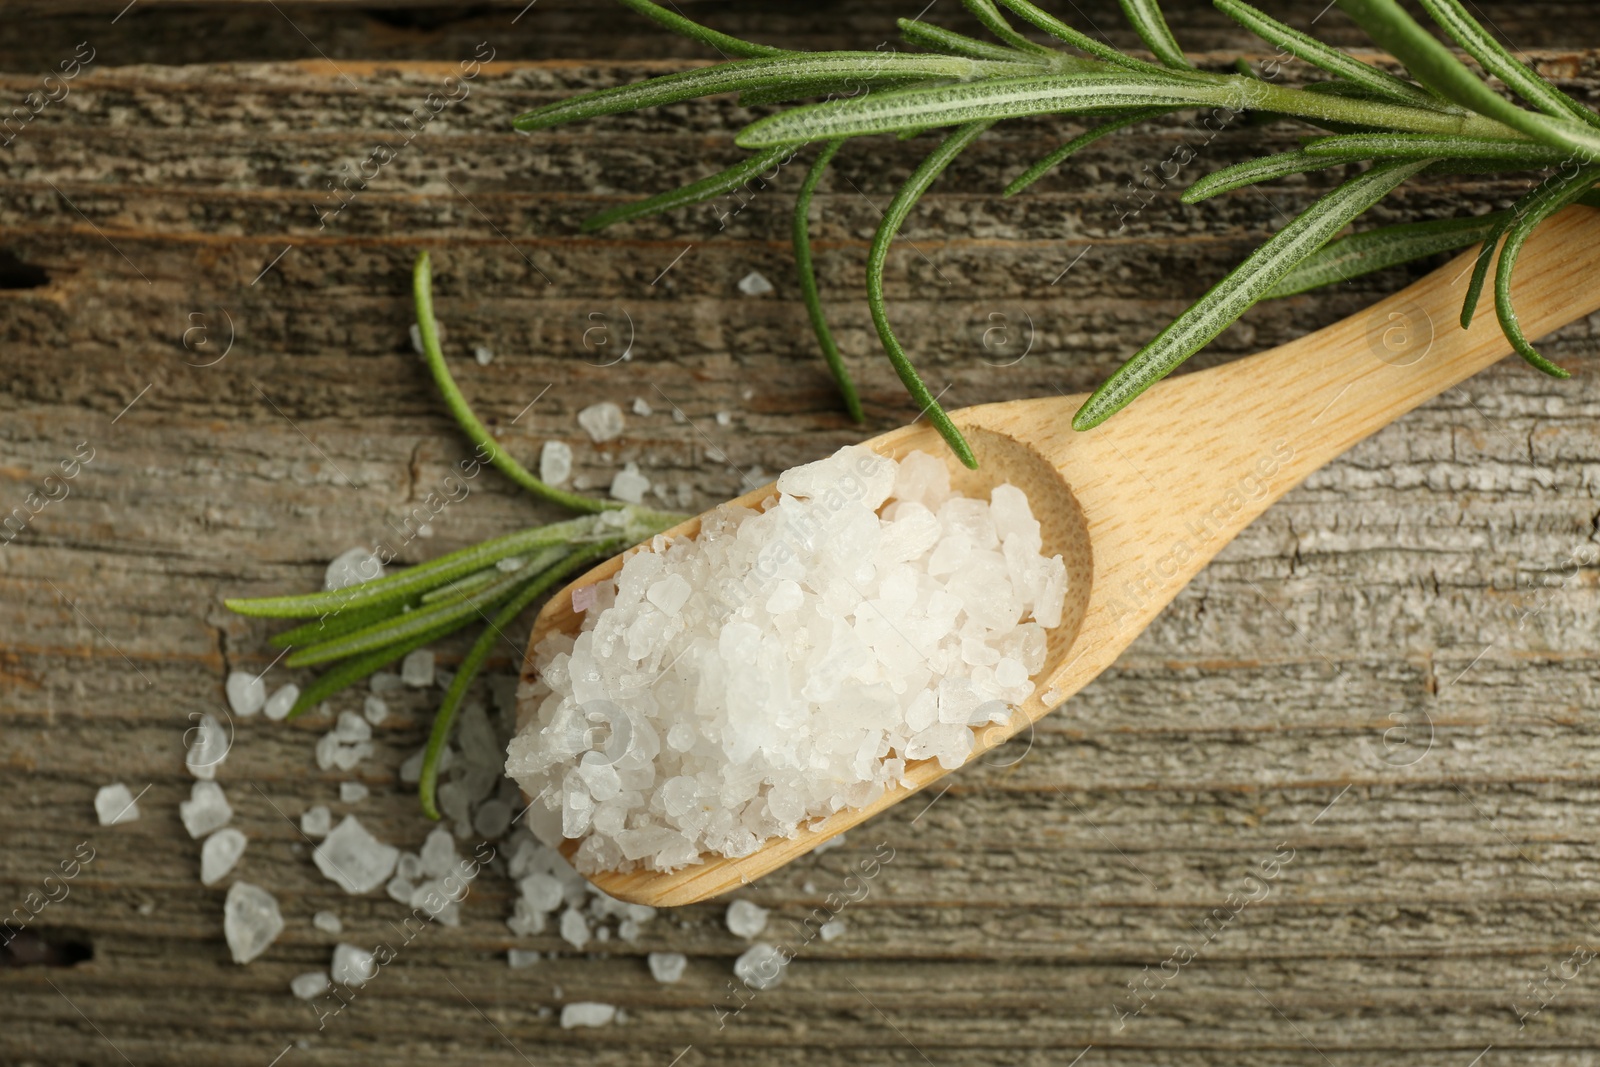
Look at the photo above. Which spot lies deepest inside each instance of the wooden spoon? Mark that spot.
(1138, 505)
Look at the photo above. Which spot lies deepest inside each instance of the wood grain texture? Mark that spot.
(1439, 579)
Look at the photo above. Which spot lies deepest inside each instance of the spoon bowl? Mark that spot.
(1137, 506)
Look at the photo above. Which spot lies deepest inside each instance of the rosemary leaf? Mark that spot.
(1512, 154)
(693, 193)
(1047, 22)
(1493, 57)
(338, 622)
(893, 218)
(394, 589)
(1434, 65)
(1546, 201)
(927, 35)
(987, 13)
(801, 232)
(425, 620)
(1387, 246)
(722, 42)
(1243, 286)
(1265, 169)
(804, 71)
(1335, 62)
(1088, 137)
(1151, 25)
(352, 671)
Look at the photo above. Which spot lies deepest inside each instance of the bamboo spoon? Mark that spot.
(1140, 504)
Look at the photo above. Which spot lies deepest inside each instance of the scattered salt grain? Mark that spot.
(281, 701)
(352, 567)
(219, 854)
(483, 354)
(760, 966)
(352, 727)
(829, 845)
(416, 339)
(327, 922)
(641, 407)
(492, 819)
(208, 747)
(555, 462)
(745, 919)
(385, 682)
(246, 693)
(352, 792)
(629, 485)
(586, 1013)
(724, 419)
(316, 821)
(207, 809)
(785, 664)
(309, 985)
(416, 670)
(667, 967)
(375, 709)
(250, 921)
(602, 421)
(352, 966)
(753, 284)
(353, 859)
(832, 929)
(438, 853)
(520, 959)
(574, 928)
(114, 804)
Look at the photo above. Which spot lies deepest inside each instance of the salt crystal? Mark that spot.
(555, 462)
(667, 967)
(281, 702)
(439, 855)
(416, 669)
(327, 922)
(629, 485)
(352, 966)
(724, 418)
(353, 859)
(207, 809)
(833, 929)
(411, 767)
(250, 921)
(310, 985)
(416, 340)
(543, 892)
(114, 804)
(316, 821)
(385, 682)
(352, 727)
(492, 819)
(352, 792)
(246, 693)
(760, 967)
(219, 854)
(574, 928)
(352, 567)
(640, 407)
(520, 959)
(208, 746)
(753, 284)
(669, 594)
(483, 354)
(602, 421)
(745, 919)
(586, 1013)
(374, 709)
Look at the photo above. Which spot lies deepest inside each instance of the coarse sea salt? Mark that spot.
(207, 809)
(246, 692)
(219, 854)
(250, 921)
(115, 804)
(785, 664)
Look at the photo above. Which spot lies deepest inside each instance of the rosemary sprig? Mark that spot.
(363, 628)
(1444, 119)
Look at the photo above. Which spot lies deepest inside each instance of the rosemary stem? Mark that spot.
(422, 289)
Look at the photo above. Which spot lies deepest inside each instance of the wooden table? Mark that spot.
(1381, 693)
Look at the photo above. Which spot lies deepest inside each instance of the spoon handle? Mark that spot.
(1326, 391)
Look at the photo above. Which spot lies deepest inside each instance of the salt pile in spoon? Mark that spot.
(786, 663)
